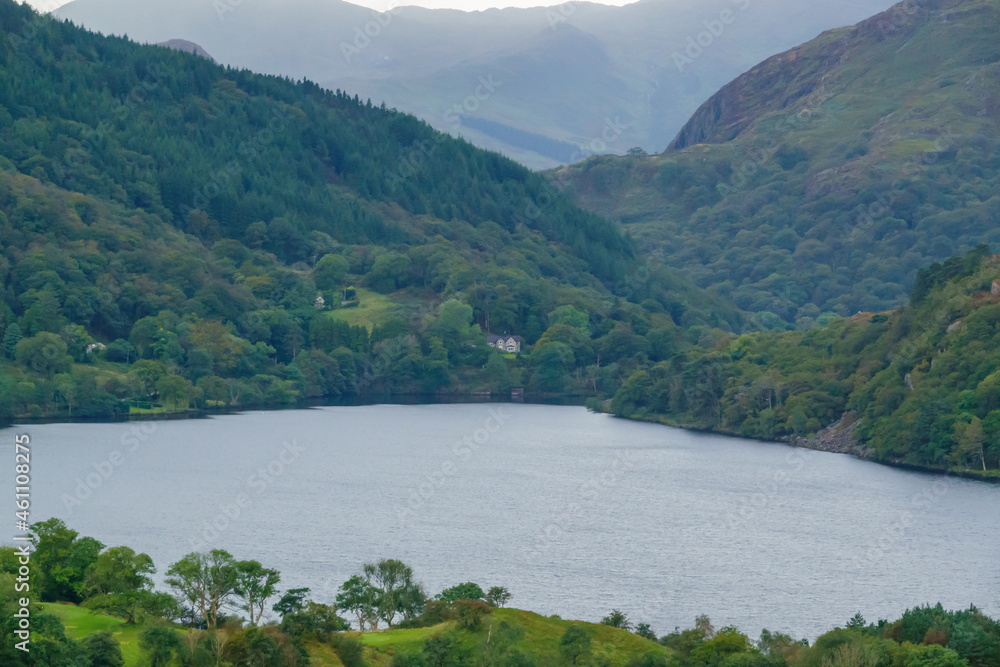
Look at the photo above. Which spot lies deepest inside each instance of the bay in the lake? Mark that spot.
(576, 513)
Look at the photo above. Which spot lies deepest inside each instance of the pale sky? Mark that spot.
(382, 5)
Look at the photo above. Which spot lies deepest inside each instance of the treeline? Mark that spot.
(224, 611)
(924, 379)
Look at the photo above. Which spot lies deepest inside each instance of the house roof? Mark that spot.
(493, 339)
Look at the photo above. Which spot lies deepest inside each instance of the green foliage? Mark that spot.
(470, 613)
(443, 651)
(360, 597)
(466, 591)
(794, 201)
(921, 379)
(254, 585)
(103, 650)
(498, 596)
(205, 581)
(350, 651)
(330, 271)
(617, 619)
(63, 560)
(292, 601)
(574, 646)
(160, 643)
(253, 646)
(191, 236)
(119, 582)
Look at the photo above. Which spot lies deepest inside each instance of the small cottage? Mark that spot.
(505, 343)
(995, 288)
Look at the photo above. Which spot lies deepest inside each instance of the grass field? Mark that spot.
(81, 622)
(374, 308)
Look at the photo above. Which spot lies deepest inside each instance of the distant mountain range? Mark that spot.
(822, 179)
(546, 86)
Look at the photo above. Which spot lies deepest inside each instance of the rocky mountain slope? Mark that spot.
(820, 180)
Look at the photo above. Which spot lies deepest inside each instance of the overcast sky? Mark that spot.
(381, 5)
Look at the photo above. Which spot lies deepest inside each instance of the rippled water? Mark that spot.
(576, 513)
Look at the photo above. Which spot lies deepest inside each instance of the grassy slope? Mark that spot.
(373, 308)
(81, 622)
(541, 638)
(540, 643)
(322, 655)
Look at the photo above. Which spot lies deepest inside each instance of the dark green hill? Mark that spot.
(186, 216)
(922, 383)
(823, 178)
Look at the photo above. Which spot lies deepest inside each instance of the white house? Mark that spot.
(505, 343)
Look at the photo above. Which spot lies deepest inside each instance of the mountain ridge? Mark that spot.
(426, 61)
(839, 168)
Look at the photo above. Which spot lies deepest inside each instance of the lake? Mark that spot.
(576, 513)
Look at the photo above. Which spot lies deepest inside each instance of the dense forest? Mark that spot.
(924, 380)
(180, 235)
(219, 610)
(823, 179)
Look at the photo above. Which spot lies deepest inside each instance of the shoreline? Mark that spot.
(836, 438)
(823, 442)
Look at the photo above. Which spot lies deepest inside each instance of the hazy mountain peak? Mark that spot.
(189, 47)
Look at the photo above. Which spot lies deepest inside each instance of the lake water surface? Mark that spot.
(576, 513)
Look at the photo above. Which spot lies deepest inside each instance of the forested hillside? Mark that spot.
(167, 226)
(821, 180)
(924, 380)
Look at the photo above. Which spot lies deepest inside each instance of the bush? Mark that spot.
(103, 650)
(470, 613)
(350, 650)
(466, 591)
(434, 612)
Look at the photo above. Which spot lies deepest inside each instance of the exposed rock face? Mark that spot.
(798, 78)
(838, 437)
(189, 47)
